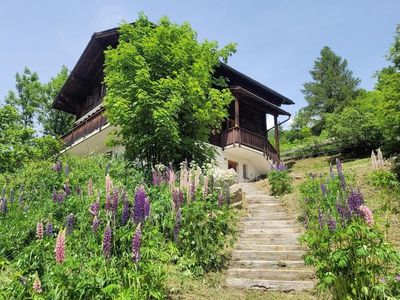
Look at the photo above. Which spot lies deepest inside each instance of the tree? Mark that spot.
(332, 88)
(394, 51)
(55, 122)
(28, 97)
(161, 91)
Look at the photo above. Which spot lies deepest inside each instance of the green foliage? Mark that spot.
(280, 182)
(161, 91)
(86, 273)
(394, 51)
(332, 88)
(350, 255)
(384, 179)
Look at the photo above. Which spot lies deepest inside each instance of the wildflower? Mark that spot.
(321, 218)
(55, 196)
(67, 188)
(115, 198)
(366, 213)
(95, 224)
(49, 228)
(397, 278)
(205, 187)
(177, 198)
(61, 197)
(136, 243)
(344, 213)
(39, 230)
(331, 224)
(140, 205)
(340, 174)
(108, 203)
(220, 199)
(280, 167)
(156, 177)
(192, 192)
(146, 208)
(57, 167)
(78, 190)
(66, 169)
(3, 205)
(125, 210)
(171, 177)
(178, 219)
(69, 223)
(90, 187)
(94, 208)
(109, 184)
(354, 201)
(107, 240)
(37, 285)
(323, 189)
(59, 249)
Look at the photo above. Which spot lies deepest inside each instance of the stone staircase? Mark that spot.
(267, 254)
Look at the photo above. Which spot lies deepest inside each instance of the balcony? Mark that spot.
(94, 123)
(241, 136)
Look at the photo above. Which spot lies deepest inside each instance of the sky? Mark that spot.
(278, 41)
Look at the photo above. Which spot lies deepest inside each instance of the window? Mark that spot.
(245, 171)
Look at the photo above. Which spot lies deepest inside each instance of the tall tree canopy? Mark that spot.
(161, 91)
(54, 122)
(332, 88)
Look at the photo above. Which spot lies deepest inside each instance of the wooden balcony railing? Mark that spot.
(241, 136)
(93, 123)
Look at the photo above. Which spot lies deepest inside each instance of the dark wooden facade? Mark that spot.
(83, 93)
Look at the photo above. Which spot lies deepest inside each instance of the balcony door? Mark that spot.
(232, 165)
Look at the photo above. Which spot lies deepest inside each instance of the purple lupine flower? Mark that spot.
(57, 167)
(344, 213)
(125, 209)
(354, 201)
(342, 179)
(90, 187)
(177, 226)
(39, 230)
(107, 242)
(55, 196)
(69, 223)
(136, 243)
(321, 219)
(49, 228)
(115, 200)
(139, 205)
(146, 208)
(95, 208)
(61, 197)
(331, 224)
(3, 205)
(67, 188)
(220, 200)
(177, 198)
(323, 189)
(59, 249)
(66, 169)
(95, 224)
(280, 167)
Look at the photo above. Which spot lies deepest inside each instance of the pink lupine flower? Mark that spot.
(109, 184)
(59, 249)
(37, 285)
(205, 187)
(39, 230)
(366, 213)
(171, 178)
(136, 242)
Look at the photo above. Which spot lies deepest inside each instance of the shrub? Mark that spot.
(280, 182)
(349, 252)
(384, 179)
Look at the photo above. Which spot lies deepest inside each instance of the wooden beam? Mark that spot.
(276, 129)
(237, 123)
(86, 85)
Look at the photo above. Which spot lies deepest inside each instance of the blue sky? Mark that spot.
(278, 41)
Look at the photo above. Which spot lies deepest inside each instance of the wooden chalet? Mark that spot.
(242, 143)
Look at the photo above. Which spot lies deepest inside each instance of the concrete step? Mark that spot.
(283, 240)
(290, 247)
(262, 215)
(268, 223)
(267, 255)
(266, 236)
(270, 209)
(271, 274)
(263, 284)
(268, 264)
(268, 230)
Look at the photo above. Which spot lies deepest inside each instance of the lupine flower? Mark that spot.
(355, 200)
(94, 208)
(37, 285)
(139, 209)
(321, 219)
(49, 228)
(78, 190)
(66, 169)
(125, 210)
(344, 213)
(220, 200)
(55, 196)
(115, 200)
(280, 167)
(109, 184)
(59, 249)
(331, 224)
(61, 197)
(366, 213)
(171, 177)
(205, 187)
(67, 189)
(39, 230)
(189, 193)
(95, 224)
(156, 177)
(57, 167)
(177, 198)
(146, 208)
(107, 168)
(340, 174)
(69, 223)
(136, 243)
(192, 192)
(397, 278)
(3, 205)
(177, 227)
(107, 242)
(90, 187)
(108, 203)
(323, 189)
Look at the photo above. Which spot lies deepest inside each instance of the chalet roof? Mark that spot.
(89, 68)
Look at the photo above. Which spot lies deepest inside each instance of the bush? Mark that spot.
(349, 252)
(280, 182)
(384, 179)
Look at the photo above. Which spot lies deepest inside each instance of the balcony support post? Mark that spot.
(276, 131)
